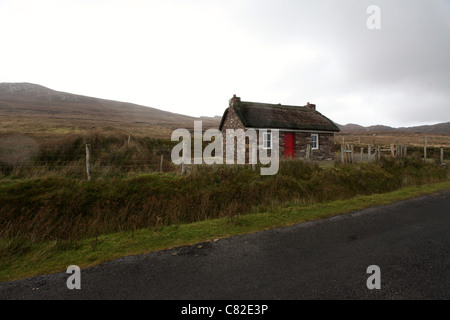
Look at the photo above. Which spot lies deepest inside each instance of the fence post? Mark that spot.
(342, 154)
(425, 150)
(442, 155)
(308, 151)
(254, 158)
(352, 157)
(379, 153)
(183, 168)
(161, 164)
(129, 139)
(369, 146)
(88, 165)
(392, 151)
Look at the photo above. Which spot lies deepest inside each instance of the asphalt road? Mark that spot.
(408, 240)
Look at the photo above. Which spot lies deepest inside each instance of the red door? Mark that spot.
(289, 145)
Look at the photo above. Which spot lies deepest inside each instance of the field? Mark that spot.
(110, 155)
(387, 138)
(44, 115)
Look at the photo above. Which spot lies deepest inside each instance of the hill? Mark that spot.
(37, 110)
(440, 128)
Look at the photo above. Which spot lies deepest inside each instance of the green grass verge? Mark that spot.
(56, 256)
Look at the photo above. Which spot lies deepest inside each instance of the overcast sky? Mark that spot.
(191, 56)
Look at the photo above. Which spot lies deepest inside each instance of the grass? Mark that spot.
(55, 256)
(65, 208)
(23, 157)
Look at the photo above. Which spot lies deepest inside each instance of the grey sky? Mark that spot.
(191, 56)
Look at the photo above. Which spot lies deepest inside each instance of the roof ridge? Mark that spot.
(274, 105)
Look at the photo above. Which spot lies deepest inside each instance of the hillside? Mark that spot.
(440, 128)
(37, 110)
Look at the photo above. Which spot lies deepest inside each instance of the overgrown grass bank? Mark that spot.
(64, 209)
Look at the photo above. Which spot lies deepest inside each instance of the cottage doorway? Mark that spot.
(289, 143)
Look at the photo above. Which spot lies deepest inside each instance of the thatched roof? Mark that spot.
(277, 116)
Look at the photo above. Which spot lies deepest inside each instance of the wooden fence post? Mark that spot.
(392, 151)
(129, 139)
(352, 157)
(369, 151)
(254, 157)
(425, 150)
(442, 155)
(161, 164)
(342, 154)
(183, 168)
(88, 165)
(308, 151)
(379, 153)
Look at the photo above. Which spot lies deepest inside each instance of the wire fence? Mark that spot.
(19, 162)
(353, 153)
(88, 160)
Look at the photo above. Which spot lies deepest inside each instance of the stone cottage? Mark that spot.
(303, 131)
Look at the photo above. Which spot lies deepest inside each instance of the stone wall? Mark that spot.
(302, 139)
(231, 121)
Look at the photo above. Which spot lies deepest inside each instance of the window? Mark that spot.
(267, 140)
(314, 141)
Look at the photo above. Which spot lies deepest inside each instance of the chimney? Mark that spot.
(311, 106)
(234, 100)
